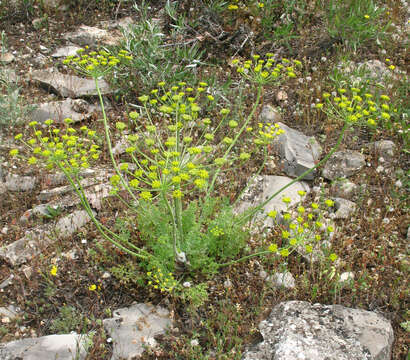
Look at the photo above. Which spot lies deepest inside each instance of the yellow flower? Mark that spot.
(273, 248)
(32, 160)
(333, 257)
(232, 7)
(284, 252)
(367, 16)
(53, 270)
(177, 194)
(92, 287)
(13, 152)
(146, 195)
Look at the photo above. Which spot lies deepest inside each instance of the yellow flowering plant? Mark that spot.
(356, 107)
(305, 231)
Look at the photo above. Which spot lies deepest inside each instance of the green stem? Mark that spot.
(178, 216)
(99, 226)
(248, 119)
(260, 253)
(253, 177)
(174, 225)
(300, 177)
(109, 145)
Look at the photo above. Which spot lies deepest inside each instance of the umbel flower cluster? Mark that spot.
(176, 148)
(70, 150)
(263, 71)
(357, 107)
(304, 230)
(95, 64)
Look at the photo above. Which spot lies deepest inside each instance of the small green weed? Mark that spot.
(12, 107)
(356, 22)
(153, 60)
(69, 319)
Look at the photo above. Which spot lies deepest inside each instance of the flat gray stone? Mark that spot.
(297, 152)
(265, 186)
(10, 312)
(6, 58)
(36, 239)
(94, 194)
(3, 188)
(344, 208)
(91, 36)
(76, 109)
(51, 347)
(300, 330)
(346, 278)
(48, 194)
(343, 164)
(69, 85)
(20, 183)
(6, 282)
(344, 188)
(384, 148)
(270, 115)
(283, 280)
(135, 327)
(8, 75)
(378, 70)
(58, 179)
(70, 50)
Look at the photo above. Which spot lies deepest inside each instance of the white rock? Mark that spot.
(283, 280)
(346, 277)
(131, 329)
(299, 330)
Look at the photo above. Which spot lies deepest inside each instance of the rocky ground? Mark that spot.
(62, 291)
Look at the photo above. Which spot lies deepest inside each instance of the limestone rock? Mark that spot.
(31, 244)
(378, 70)
(134, 327)
(269, 115)
(265, 186)
(94, 195)
(58, 179)
(10, 312)
(283, 280)
(344, 188)
(6, 282)
(69, 85)
(91, 36)
(20, 183)
(51, 347)
(344, 208)
(69, 50)
(297, 151)
(384, 148)
(299, 330)
(343, 164)
(77, 110)
(346, 277)
(48, 194)
(8, 75)
(6, 58)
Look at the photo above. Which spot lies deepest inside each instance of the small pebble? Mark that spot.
(194, 342)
